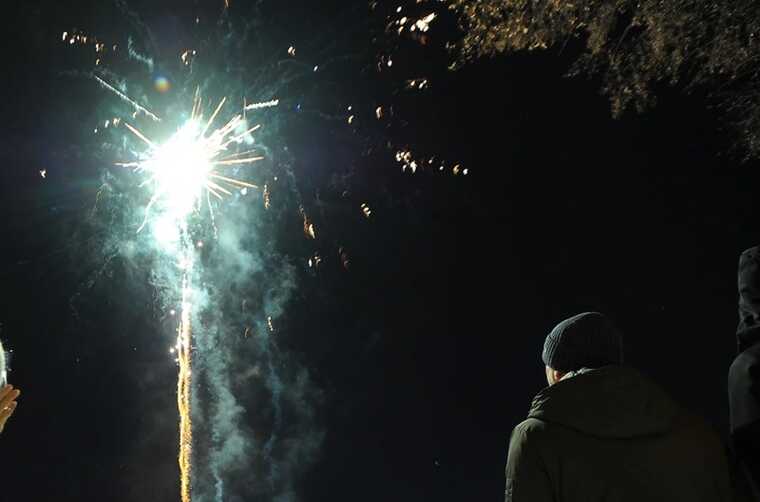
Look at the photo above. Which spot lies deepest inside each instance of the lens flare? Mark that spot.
(162, 84)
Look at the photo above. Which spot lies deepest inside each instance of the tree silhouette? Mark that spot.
(635, 45)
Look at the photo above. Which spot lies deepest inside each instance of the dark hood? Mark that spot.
(610, 402)
(748, 331)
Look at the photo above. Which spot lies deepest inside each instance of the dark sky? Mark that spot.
(427, 350)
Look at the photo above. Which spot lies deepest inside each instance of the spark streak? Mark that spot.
(126, 98)
(263, 104)
(184, 357)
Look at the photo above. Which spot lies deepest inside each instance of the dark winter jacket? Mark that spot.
(612, 435)
(744, 389)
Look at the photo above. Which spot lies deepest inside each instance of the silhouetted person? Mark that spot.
(744, 374)
(603, 432)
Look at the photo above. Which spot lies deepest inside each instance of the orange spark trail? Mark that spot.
(183, 397)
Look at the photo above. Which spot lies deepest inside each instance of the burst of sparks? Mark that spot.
(191, 162)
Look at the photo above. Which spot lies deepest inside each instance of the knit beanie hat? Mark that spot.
(587, 340)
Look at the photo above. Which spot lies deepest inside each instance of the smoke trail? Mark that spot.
(146, 60)
(133, 18)
(250, 389)
(274, 383)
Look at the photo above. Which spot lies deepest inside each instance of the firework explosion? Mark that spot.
(186, 179)
(179, 172)
(190, 161)
(194, 161)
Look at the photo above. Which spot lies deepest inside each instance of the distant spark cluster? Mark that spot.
(414, 24)
(417, 84)
(187, 56)
(404, 23)
(80, 38)
(412, 19)
(308, 226)
(315, 261)
(410, 163)
(366, 210)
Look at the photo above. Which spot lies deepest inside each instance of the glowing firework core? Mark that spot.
(189, 162)
(180, 169)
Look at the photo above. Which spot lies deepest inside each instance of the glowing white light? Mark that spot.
(166, 231)
(185, 263)
(187, 166)
(3, 369)
(180, 168)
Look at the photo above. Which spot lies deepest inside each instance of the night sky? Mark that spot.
(425, 351)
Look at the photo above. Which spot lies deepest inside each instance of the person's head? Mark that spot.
(587, 340)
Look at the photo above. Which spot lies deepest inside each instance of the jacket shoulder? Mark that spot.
(531, 427)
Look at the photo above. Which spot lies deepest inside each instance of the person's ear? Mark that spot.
(558, 375)
(553, 376)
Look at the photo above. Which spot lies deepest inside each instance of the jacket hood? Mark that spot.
(609, 402)
(748, 331)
